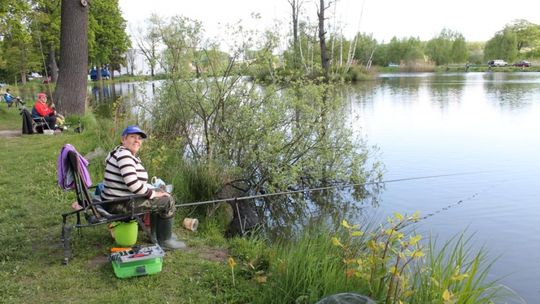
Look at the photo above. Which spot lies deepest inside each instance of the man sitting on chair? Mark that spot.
(41, 109)
(126, 176)
(10, 99)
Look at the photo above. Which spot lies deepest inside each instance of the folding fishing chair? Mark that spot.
(92, 209)
(40, 122)
(30, 124)
(10, 100)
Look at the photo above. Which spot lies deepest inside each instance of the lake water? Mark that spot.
(482, 130)
(483, 124)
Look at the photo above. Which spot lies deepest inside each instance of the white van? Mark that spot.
(497, 63)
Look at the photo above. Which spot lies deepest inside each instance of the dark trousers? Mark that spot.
(164, 206)
(51, 121)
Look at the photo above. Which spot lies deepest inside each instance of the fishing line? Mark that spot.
(243, 198)
(459, 202)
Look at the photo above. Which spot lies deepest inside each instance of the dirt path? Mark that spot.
(10, 133)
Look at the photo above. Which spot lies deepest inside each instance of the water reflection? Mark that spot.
(512, 91)
(286, 216)
(446, 89)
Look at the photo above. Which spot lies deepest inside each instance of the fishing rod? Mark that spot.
(46, 72)
(243, 198)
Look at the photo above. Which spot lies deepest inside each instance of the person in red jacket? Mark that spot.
(42, 109)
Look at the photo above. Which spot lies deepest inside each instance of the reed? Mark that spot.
(454, 274)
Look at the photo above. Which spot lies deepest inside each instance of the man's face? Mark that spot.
(132, 142)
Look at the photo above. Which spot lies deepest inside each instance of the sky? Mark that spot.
(476, 20)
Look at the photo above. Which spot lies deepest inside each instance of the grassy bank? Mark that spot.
(383, 262)
(30, 255)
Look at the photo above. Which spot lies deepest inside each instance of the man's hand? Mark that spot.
(161, 194)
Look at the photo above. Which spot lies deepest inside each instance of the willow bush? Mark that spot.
(277, 137)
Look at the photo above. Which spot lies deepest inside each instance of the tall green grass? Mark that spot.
(306, 269)
(388, 263)
(454, 273)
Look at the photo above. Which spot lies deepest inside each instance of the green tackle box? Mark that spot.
(144, 261)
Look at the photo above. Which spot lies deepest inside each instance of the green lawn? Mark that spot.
(9, 117)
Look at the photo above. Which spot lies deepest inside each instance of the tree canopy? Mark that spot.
(30, 42)
(30, 35)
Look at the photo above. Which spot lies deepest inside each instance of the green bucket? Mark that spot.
(125, 233)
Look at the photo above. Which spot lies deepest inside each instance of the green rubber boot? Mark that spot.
(165, 235)
(153, 227)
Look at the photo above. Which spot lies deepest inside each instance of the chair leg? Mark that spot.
(66, 242)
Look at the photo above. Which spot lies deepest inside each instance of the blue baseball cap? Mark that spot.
(133, 130)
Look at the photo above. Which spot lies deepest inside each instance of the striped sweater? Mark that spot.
(124, 175)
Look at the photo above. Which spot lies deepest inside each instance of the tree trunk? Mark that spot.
(322, 40)
(131, 57)
(70, 93)
(23, 78)
(153, 66)
(98, 69)
(53, 66)
(295, 6)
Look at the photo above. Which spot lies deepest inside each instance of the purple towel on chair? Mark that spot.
(66, 180)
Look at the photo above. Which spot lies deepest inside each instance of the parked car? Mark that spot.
(33, 75)
(522, 63)
(497, 63)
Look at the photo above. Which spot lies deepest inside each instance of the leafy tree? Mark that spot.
(275, 138)
(211, 61)
(502, 46)
(108, 29)
(394, 50)
(47, 33)
(181, 36)
(148, 41)
(459, 49)
(296, 5)
(307, 50)
(131, 55)
(527, 33)
(412, 50)
(476, 52)
(447, 47)
(366, 46)
(18, 48)
(380, 56)
(405, 50)
(265, 62)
